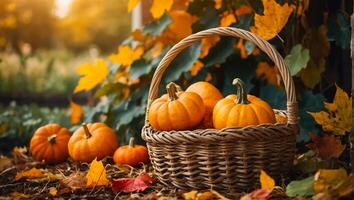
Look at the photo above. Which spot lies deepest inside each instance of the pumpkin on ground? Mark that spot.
(50, 144)
(241, 110)
(176, 110)
(132, 154)
(92, 141)
(210, 95)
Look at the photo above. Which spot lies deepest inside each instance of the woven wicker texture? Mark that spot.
(227, 160)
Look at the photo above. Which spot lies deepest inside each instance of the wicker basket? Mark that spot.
(227, 160)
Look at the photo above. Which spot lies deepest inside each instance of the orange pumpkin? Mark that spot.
(50, 144)
(132, 154)
(210, 95)
(176, 110)
(281, 118)
(92, 141)
(241, 110)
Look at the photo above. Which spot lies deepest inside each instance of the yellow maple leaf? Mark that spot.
(159, 7)
(227, 18)
(132, 4)
(126, 55)
(208, 43)
(271, 74)
(338, 117)
(92, 75)
(96, 175)
(266, 181)
(29, 174)
(274, 19)
(197, 66)
(76, 112)
(181, 25)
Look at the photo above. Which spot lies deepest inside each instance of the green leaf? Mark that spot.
(220, 52)
(108, 89)
(297, 59)
(302, 187)
(182, 63)
(339, 29)
(157, 27)
(208, 19)
(141, 67)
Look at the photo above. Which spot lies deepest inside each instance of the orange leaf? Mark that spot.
(132, 4)
(274, 19)
(76, 112)
(271, 74)
(138, 35)
(126, 55)
(96, 175)
(208, 43)
(239, 45)
(267, 182)
(326, 147)
(242, 10)
(92, 75)
(181, 25)
(29, 174)
(157, 49)
(218, 4)
(197, 66)
(227, 18)
(53, 191)
(181, 4)
(159, 7)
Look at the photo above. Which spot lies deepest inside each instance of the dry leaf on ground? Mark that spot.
(96, 175)
(29, 174)
(138, 183)
(5, 163)
(75, 181)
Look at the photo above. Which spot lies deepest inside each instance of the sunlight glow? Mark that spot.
(62, 7)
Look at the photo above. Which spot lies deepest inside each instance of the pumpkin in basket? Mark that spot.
(50, 144)
(176, 110)
(281, 118)
(241, 110)
(91, 141)
(210, 95)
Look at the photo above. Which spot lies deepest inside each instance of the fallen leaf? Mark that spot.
(261, 194)
(76, 112)
(302, 187)
(345, 187)
(266, 181)
(75, 181)
(192, 195)
(327, 146)
(5, 163)
(91, 75)
(208, 43)
(139, 183)
(322, 196)
(327, 179)
(197, 66)
(126, 55)
(29, 174)
(268, 73)
(205, 196)
(297, 59)
(338, 117)
(274, 19)
(181, 25)
(18, 195)
(53, 191)
(159, 7)
(96, 175)
(132, 4)
(227, 18)
(19, 153)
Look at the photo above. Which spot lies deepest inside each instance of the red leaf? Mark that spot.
(261, 194)
(138, 183)
(326, 147)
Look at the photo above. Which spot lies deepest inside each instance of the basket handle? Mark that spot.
(234, 32)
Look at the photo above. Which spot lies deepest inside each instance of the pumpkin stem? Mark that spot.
(52, 138)
(87, 132)
(241, 93)
(172, 91)
(131, 142)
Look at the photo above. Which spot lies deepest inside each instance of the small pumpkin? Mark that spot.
(49, 143)
(210, 95)
(131, 154)
(91, 141)
(176, 110)
(241, 110)
(281, 118)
